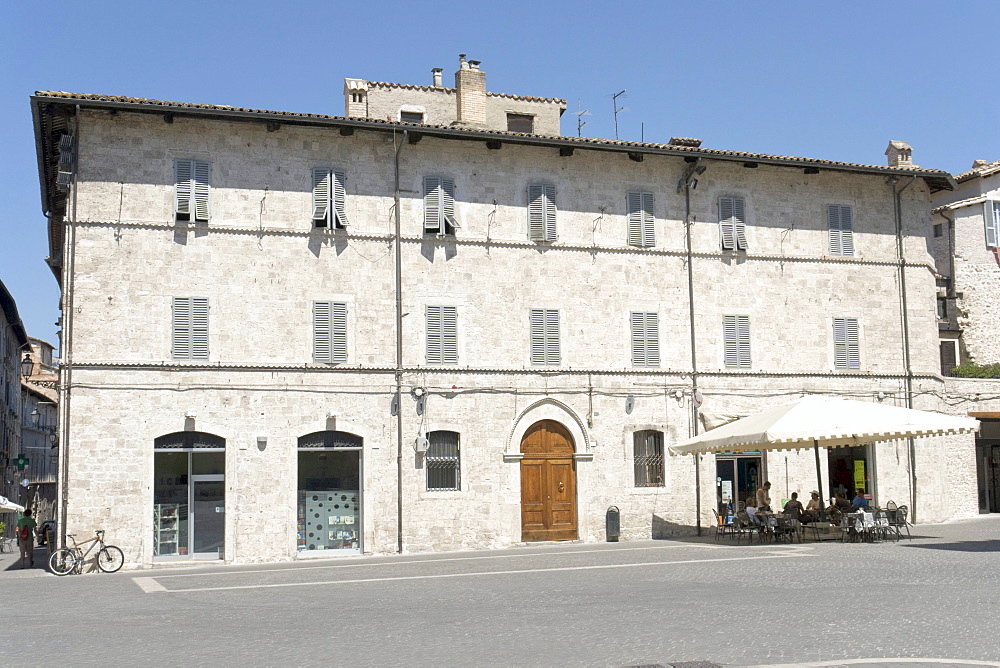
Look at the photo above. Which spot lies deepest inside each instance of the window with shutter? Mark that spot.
(329, 332)
(640, 218)
(442, 335)
(841, 221)
(647, 455)
(736, 341)
(542, 212)
(645, 339)
(544, 325)
(732, 222)
(846, 349)
(329, 198)
(991, 217)
(439, 206)
(443, 462)
(190, 328)
(191, 190)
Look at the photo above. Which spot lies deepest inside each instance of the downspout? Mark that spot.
(399, 352)
(898, 209)
(66, 344)
(686, 183)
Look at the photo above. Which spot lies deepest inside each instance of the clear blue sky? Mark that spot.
(834, 81)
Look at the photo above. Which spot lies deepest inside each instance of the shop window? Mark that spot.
(443, 462)
(329, 491)
(647, 448)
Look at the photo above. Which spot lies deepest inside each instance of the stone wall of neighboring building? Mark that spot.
(13, 341)
(261, 264)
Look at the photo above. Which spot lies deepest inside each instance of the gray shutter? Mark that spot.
(322, 333)
(633, 200)
(448, 203)
(432, 204)
(743, 340)
(339, 331)
(853, 348)
(449, 335)
(730, 338)
(550, 213)
(833, 219)
(182, 328)
(202, 179)
(552, 356)
(739, 223)
(846, 348)
(537, 322)
(183, 173)
(536, 212)
(847, 231)
(726, 224)
(645, 339)
(321, 196)
(991, 218)
(648, 222)
(199, 328)
(434, 334)
(544, 325)
(340, 198)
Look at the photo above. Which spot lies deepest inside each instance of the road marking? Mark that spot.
(784, 555)
(149, 585)
(435, 560)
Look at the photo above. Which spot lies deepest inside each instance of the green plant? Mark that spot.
(973, 370)
(3, 527)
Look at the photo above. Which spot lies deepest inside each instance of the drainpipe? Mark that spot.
(399, 353)
(66, 342)
(687, 183)
(898, 210)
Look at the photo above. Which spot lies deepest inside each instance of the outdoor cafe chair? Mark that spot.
(723, 526)
(882, 526)
(744, 525)
(898, 521)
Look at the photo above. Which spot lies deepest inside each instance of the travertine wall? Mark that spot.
(261, 265)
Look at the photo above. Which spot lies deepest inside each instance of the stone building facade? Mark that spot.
(356, 335)
(13, 341)
(39, 420)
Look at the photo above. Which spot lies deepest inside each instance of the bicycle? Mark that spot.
(68, 560)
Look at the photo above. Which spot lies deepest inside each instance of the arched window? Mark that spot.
(329, 491)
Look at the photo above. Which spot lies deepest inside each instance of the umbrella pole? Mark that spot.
(819, 478)
(697, 491)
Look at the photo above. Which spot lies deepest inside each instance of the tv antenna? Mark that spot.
(579, 119)
(614, 104)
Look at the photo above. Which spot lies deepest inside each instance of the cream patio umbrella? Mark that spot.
(815, 421)
(6, 505)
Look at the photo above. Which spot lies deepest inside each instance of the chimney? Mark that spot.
(436, 72)
(690, 142)
(470, 85)
(355, 98)
(900, 155)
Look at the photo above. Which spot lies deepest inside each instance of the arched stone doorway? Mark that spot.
(548, 483)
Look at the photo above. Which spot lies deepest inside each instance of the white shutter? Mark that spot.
(183, 173)
(645, 339)
(853, 349)
(743, 340)
(726, 223)
(321, 196)
(846, 349)
(432, 204)
(550, 212)
(991, 217)
(739, 223)
(833, 219)
(544, 325)
(730, 339)
(202, 179)
(339, 333)
(322, 334)
(434, 334)
(340, 198)
(648, 222)
(536, 212)
(847, 231)
(448, 203)
(552, 356)
(536, 320)
(182, 328)
(199, 328)
(633, 199)
(449, 335)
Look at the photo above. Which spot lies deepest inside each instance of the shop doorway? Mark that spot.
(737, 478)
(548, 483)
(852, 469)
(988, 465)
(329, 492)
(189, 496)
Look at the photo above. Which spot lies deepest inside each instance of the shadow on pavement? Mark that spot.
(963, 546)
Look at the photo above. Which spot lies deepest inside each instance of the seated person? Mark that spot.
(812, 507)
(752, 512)
(793, 508)
(859, 502)
(840, 502)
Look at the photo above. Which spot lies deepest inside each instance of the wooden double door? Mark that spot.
(548, 483)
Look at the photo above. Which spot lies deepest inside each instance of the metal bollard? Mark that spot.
(613, 524)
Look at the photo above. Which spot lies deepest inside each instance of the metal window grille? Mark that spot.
(648, 457)
(442, 462)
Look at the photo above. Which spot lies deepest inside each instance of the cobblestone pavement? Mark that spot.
(930, 601)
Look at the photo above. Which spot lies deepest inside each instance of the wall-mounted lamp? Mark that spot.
(27, 366)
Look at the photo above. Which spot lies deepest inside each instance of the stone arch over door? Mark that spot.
(548, 483)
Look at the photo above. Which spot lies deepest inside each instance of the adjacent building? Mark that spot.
(380, 332)
(13, 341)
(39, 427)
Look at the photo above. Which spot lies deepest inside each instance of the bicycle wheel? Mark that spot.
(62, 561)
(110, 559)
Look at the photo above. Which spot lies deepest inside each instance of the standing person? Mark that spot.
(764, 497)
(26, 537)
